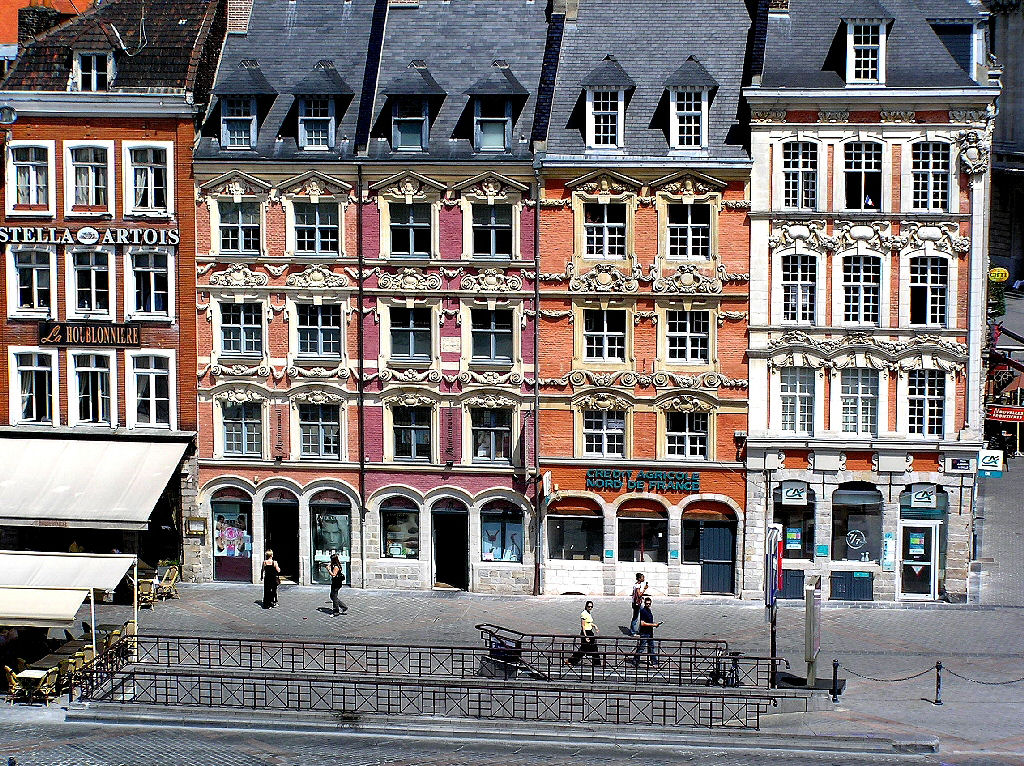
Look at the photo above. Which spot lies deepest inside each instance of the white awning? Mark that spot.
(91, 483)
(29, 569)
(40, 607)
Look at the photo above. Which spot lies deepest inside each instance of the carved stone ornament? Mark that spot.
(688, 184)
(605, 182)
(408, 399)
(730, 315)
(601, 401)
(490, 186)
(767, 115)
(603, 278)
(315, 276)
(491, 280)
(684, 403)
(410, 376)
(848, 235)
(491, 402)
(943, 236)
(834, 116)
(639, 316)
(736, 204)
(860, 349)
(409, 279)
(489, 378)
(897, 116)
(276, 271)
(630, 380)
(238, 396)
(811, 234)
(294, 371)
(317, 396)
(688, 279)
(409, 186)
(242, 370)
(974, 153)
(234, 184)
(239, 275)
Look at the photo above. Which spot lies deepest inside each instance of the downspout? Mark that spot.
(538, 483)
(361, 379)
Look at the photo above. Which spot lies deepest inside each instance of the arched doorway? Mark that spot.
(232, 534)
(709, 539)
(330, 525)
(450, 523)
(281, 530)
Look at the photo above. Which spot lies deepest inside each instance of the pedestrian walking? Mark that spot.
(337, 573)
(271, 575)
(639, 591)
(588, 638)
(647, 626)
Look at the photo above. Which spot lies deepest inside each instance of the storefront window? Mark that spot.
(232, 538)
(793, 504)
(576, 538)
(501, 534)
(400, 530)
(691, 541)
(856, 523)
(643, 540)
(330, 525)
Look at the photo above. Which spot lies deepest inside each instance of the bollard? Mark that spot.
(938, 683)
(835, 680)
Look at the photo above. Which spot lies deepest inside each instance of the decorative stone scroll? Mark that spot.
(686, 403)
(239, 275)
(409, 279)
(317, 276)
(601, 401)
(239, 396)
(603, 278)
(688, 279)
(492, 280)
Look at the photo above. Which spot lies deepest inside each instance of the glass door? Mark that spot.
(918, 569)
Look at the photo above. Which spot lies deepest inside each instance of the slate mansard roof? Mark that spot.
(806, 48)
(172, 51)
(652, 43)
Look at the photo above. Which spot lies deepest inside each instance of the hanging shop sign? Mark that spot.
(613, 480)
(87, 235)
(990, 463)
(1006, 414)
(100, 334)
(998, 274)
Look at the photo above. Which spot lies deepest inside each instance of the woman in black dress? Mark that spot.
(270, 574)
(337, 573)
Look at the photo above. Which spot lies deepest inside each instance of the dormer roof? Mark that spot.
(247, 79)
(499, 81)
(416, 80)
(322, 80)
(691, 74)
(608, 74)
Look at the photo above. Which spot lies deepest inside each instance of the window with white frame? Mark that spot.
(492, 335)
(152, 390)
(799, 287)
(689, 231)
(410, 123)
(35, 385)
(410, 229)
(151, 275)
(492, 231)
(862, 283)
(411, 334)
(319, 329)
(412, 432)
(926, 402)
(604, 335)
(604, 433)
(800, 175)
(239, 227)
(316, 122)
(316, 228)
(93, 72)
(796, 389)
(604, 228)
(33, 279)
(492, 435)
(859, 401)
(243, 428)
(862, 175)
(688, 336)
(89, 169)
(148, 178)
(689, 124)
(238, 123)
(492, 123)
(93, 386)
(686, 434)
(605, 110)
(929, 161)
(92, 281)
(865, 52)
(320, 430)
(241, 328)
(929, 286)
(31, 176)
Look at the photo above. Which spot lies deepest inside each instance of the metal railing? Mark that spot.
(102, 669)
(492, 634)
(484, 698)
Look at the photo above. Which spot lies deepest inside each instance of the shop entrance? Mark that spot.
(919, 580)
(232, 535)
(717, 556)
(450, 522)
(281, 531)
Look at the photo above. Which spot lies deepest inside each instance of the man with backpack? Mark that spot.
(639, 590)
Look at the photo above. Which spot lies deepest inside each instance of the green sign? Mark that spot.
(614, 480)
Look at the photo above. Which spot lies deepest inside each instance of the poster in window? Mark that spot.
(916, 544)
(794, 541)
(231, 535)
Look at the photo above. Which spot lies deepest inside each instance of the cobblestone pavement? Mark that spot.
(1002, 538)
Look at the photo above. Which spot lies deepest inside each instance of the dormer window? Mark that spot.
(865, 51)
(689, 118)
(410, 123)
(238, 123)
(316, 123)
(94, 71)
(605, 113)
(492, 123)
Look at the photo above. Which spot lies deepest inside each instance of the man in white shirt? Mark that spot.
(639, 591)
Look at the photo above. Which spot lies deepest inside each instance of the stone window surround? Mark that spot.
(467, 199)
(662, 201)
(13, 311)
(602, 303)
(228, 295)
(427, 195)
(14, 383)
(777, 285)
(579, 199)
(294, 426)
(389, 429)
(516, 454)
(490, 303)
(72, 386)
(129, 284)
(218, 425)
(384, 306)
(697, 303)
(328, 298)
(11, 209)
(70, 284)
(578, 408)
(130, 392)
(69, 179)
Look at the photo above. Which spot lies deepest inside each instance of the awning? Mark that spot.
(40, 607)
(85, 483)
(30, 569)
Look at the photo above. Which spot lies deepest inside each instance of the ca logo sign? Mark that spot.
(990, 461)
(924, 495)
(794, 493)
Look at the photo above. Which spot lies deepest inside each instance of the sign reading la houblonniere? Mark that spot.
(126, 335)
(609, 479)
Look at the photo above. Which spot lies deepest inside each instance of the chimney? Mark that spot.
(35, 19)
(239, 12)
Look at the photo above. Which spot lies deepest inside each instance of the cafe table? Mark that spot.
(29, 680)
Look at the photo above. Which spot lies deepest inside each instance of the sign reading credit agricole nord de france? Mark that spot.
(125, 335)
(87, 235)
(615, 480)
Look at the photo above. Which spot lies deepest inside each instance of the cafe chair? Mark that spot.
(147, 594)
(168, 587)
(48, 686)
(15, 691)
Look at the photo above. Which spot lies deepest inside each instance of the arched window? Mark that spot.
(930, 165)
(575, 530)
(799, 287)
(232, 534)
(643, 532)
(862, 166)
(399, 529)
(929, 290)
(800, 175)
(501, 532)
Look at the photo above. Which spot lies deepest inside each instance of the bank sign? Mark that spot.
(87, 235)
(614, 480)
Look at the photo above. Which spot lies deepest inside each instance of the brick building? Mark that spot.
(870, 191)
(97, 229)
(643, 271)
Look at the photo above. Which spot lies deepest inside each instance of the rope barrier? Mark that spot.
(888, 680)
(931, 669)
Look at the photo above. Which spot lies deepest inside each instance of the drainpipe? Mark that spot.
(537, 483)
(361, 380)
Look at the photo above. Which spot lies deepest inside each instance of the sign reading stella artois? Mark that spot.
(87, 235)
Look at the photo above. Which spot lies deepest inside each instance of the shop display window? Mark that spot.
(643, 540)
(576, 539)
(796, 520)
(400, 531)
(856, 524)
(330, 525)
(501, 535)
(232, 539)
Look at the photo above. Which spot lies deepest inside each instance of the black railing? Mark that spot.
(102, 669)
(484, 698)
(492, 634)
